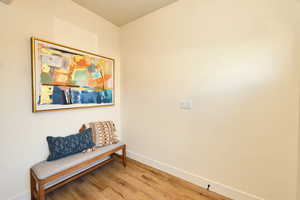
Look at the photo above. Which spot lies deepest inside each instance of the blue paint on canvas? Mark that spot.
(88, 97)
(75, 96)
(107, 96)
(58, 96)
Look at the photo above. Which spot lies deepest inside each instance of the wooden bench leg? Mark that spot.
(32, 186)
(41, 193)
(124, 156)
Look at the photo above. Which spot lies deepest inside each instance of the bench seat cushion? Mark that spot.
(46, 169)
(62, 178)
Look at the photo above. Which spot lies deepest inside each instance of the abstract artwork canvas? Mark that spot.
(68, 78)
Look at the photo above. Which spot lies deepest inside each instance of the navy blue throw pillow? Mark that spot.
(60, 147)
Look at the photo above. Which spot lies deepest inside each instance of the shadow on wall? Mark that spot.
(7, 1)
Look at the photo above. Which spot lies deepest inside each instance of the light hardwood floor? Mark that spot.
(135, 182)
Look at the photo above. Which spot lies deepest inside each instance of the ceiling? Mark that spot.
(121, 12)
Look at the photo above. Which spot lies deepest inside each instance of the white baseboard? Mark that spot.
(193, 178)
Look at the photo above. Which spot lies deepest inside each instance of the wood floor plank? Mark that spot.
(166, 183)
(135, 182)
(158, 186)
(151, 189)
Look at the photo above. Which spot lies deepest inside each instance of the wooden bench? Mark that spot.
(47, 176)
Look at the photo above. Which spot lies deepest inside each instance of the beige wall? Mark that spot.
(298, 53)
(236, 61)
(297, 25)
(23, 134)
(298, 192)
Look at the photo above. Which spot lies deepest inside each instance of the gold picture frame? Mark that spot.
(65, 78)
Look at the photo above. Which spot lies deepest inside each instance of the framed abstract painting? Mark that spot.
(68, 78)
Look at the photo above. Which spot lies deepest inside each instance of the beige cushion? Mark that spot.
(46, 169)
(62, 178)
(103, 133)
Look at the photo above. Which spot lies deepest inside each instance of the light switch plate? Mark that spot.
(186, 104)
